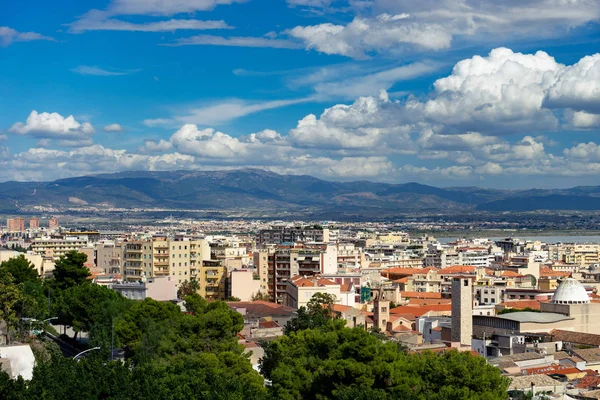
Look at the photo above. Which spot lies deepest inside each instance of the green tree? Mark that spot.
(334, 362)
(232, 298)
(11, 297)
(195, 303)
(187, 288)
(318, 312)
(86, 307)
(12, 389)
(70, 270)
(260, 296)
(21, 269)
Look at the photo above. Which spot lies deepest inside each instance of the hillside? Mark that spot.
(268, 191)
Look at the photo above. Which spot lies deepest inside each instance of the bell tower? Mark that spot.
(462, 310)
(381, 310)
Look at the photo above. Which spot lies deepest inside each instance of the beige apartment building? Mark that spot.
(132, 261)
(53, 223)
(577, 254)
(55, 248)
(231, 255)
(243, 284)
(261, 264)
(109, 257)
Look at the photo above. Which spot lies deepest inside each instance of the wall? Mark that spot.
(243, 285)
(162, 288)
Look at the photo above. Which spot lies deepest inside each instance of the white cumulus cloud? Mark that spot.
(113, 128)
(54, 126)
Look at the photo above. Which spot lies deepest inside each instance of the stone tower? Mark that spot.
(462, 310)
(381, 310)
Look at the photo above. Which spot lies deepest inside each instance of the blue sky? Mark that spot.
(454, 92)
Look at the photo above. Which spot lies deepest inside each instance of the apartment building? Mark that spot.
(243, 284)
(299, 290)
(350, 256)
(577, 254)
(292, 234)
(231, 254)
(261, 264)
(53, 223)
(132, 261)
(34, 223)
(15, 224)
(212, 278)
(285, 262)
(56, 247)
(109, 256)
(472, 256)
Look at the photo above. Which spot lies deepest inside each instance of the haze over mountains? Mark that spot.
(268, 191)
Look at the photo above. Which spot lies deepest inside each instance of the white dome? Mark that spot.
(570, 291)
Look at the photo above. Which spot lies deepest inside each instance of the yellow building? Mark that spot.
(212, 278)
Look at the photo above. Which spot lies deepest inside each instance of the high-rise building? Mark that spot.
(34, 223)
(462, 310)
(15, 224)
(291, 234)
(53, 223)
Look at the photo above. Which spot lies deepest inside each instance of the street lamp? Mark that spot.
(85, 351)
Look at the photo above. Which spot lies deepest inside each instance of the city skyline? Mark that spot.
(442, 93)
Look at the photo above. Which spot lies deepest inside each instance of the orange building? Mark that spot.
(15, 224)
(34, 223)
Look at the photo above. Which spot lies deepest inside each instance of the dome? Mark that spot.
(570, 291)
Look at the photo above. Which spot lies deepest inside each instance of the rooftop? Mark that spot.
(535, 317)
(570, 291)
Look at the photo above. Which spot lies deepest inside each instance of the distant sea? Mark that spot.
(546, 239)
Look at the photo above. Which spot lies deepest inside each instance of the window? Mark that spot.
(466, 282)
(383, 309)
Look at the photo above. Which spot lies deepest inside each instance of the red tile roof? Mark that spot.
(589, 382)
(521, 304)
(552, 369)
(547, 272)
(511, 274)
(421, 295)
(427, 302)
(346, 287)
(457, 269)
(268, 324)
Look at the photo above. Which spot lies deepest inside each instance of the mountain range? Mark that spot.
(263, 190)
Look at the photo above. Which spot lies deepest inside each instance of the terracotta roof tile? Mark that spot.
(576, 337)
(421, 295)
(457, 269)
